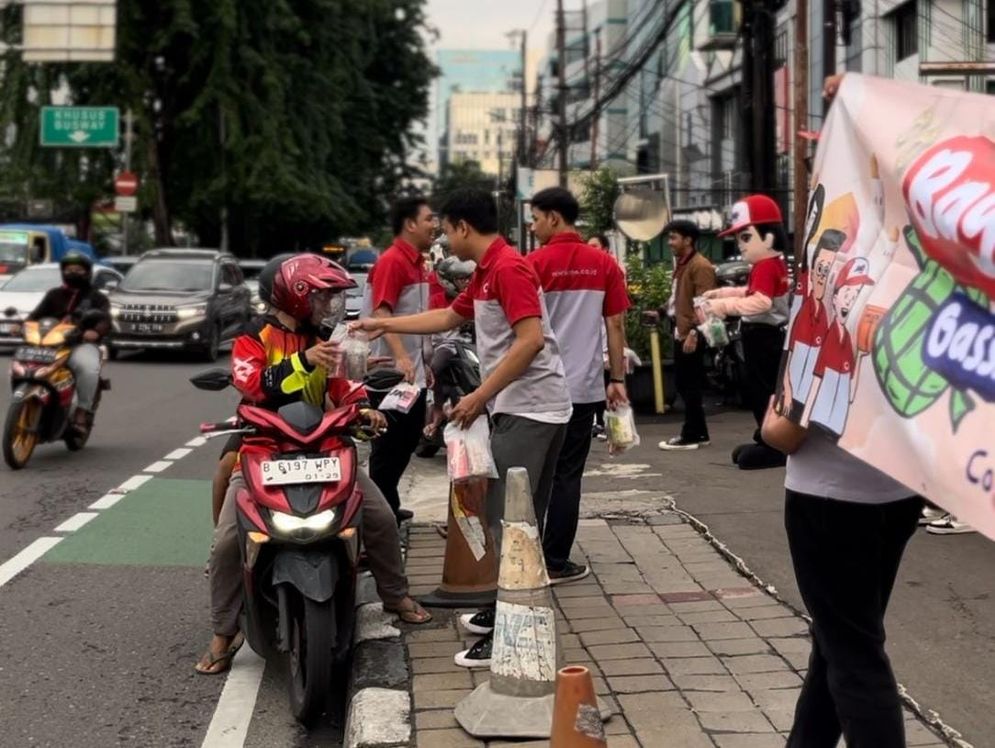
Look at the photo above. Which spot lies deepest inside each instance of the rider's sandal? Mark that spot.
(207, 662)
(413, 613)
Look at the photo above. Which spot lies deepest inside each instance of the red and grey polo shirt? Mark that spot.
(504, 290)
(582, 285)
(399, 281)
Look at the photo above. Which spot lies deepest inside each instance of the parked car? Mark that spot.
(180, 300)
(121, 263)
(251, 268)
(21, 294)
(354, 296)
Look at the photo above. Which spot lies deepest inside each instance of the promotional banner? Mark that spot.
(891, 344)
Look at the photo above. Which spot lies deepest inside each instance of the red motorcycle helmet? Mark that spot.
(291, 281)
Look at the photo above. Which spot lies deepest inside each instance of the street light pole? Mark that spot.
(561, 99)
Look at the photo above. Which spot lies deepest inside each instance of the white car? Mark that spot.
(22, 293)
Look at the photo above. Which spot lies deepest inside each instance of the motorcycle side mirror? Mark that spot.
(213, 380)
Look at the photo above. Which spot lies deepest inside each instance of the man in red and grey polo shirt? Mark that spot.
(523, 386)
(398, 285)
(586, 296)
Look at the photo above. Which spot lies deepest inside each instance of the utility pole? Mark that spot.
(522, 121)
(129, 136)
(801, 180)
(561, 98)
(597, 95)
(758, 94)
(828, 38)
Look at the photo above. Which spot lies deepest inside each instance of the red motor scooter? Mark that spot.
(299, 535)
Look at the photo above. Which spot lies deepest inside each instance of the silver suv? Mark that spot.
(180, 299)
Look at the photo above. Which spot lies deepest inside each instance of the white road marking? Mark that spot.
(157, 467)
(197, 441)
(178, 454)
(24, 559)
(76, 521)
(230, 723)
(106, 501)
(132, 483)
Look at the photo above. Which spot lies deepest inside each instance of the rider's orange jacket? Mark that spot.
(270, 370)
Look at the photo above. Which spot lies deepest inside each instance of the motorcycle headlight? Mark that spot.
(190, 312)
(288, 524)
(115, 311)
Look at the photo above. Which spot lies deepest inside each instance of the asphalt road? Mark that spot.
(98, 637)
(941, 621)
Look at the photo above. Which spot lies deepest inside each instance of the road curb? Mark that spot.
(378, 714)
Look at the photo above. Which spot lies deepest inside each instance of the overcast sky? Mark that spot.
(482, 24)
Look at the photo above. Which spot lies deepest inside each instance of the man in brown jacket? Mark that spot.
(693, 275)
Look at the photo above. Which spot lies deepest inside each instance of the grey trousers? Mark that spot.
(535, 446)
(380, 537)
(84, 363)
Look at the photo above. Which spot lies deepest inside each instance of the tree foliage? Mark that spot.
(597, 200)
(461, 175)
(296, 115)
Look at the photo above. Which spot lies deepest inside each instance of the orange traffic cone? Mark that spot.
(576, 716)
(470, 569)
(517, 701)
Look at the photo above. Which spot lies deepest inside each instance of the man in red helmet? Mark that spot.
(276, 361)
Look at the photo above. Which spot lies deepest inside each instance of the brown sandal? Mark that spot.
(412, 612)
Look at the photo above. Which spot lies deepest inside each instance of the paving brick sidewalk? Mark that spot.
(688, 652)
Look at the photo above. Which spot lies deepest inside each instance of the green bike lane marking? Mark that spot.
(164, 522)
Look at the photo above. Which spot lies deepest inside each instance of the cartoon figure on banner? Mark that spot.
(811, 325)
(836, 372)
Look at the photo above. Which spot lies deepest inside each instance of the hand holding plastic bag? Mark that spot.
(468, 451)
(712, 327)
(620, 426)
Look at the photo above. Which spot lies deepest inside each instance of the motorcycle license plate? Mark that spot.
(310, 470)
(146, 327)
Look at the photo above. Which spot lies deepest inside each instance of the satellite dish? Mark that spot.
(641, 214)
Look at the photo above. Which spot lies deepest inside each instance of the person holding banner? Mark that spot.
(847, 525)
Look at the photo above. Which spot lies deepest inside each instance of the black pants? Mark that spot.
(564, 504)
(762, 348)
(391, 453)
(689, 371)
(846, 557)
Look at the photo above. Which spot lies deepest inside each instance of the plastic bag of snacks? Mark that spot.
(620, 426)
(468, 451)
(712, 327)
(356, 352)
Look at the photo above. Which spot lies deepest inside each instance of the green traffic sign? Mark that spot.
(80, 126)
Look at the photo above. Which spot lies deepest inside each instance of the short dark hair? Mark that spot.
(602, 240)
(559, 200)
(687, 229)
(405, 209)
(473, 205)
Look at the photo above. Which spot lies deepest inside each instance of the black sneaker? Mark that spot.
(680, 443)
(403, 515)
(481, 622)
(570, 572)
(477, 656)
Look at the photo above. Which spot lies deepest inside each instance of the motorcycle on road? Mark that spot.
(299, 534)
(44, 392)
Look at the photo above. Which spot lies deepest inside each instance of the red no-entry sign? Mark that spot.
(126, 184)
